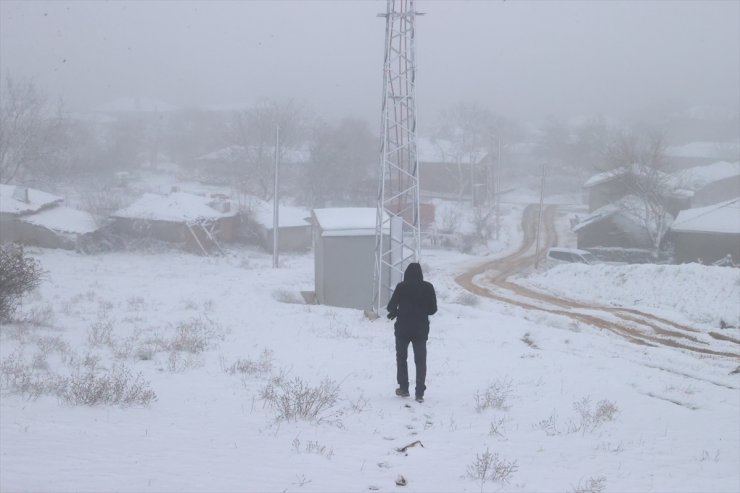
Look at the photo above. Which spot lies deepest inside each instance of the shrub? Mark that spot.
(101, 332)
(495, 396)
(191, 336)
(249, 367)
(489, 466)
(592, 485)
(19, 274)
(590, 419)
(19, 377)
(295, 399)
(117, 386)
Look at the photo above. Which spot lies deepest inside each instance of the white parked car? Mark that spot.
(557, 256)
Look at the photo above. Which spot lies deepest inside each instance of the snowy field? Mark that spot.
(693, 293)
(545, 403)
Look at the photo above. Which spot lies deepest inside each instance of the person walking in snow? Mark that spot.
(412, 302)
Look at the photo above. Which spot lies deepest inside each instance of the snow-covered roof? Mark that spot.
(136, 105)
(64, 220)
(704, 150)
(443, 151)
(11, 202)
(596, 216)
(604, 177)
(717, 218)
(288, 216)
(223, 154)
(236, 152)
(671, 186)
(346, 221)
(629, 207)
(700, 176)
(178, 207)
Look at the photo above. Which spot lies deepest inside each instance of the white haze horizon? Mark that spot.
(526, 60)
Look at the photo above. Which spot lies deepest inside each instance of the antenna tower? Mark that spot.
(398, 234)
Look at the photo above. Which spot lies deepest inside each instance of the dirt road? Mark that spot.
(491, 280)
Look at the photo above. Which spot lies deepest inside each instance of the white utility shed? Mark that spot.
(344, 256)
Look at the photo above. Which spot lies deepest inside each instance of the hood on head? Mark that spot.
(413, 272)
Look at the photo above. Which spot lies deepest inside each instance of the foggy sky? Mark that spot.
(523, 59)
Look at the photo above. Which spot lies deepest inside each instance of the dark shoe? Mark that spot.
(419, 398)
(402, 393)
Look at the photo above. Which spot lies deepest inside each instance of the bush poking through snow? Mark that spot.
(19, 274)
(587, 420)
(495, 396)
(488, 466)
(117, 386)
(313, 447)
(191, 336)
(101, 332)
(498, 428)
(590, 419)
(591, 485)
(19, 377)
(87, 387)
(248, 367)
(295, 399)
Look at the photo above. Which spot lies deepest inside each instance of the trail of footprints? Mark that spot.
(418, 422)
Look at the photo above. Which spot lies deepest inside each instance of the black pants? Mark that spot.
(420, 360)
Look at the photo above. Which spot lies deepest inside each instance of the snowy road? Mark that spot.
(493, 280)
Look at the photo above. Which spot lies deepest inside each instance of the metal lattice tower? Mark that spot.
(398, 234)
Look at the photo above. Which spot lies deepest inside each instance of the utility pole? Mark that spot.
(497, 188)
(397, 232)
(539, 220)
(276, 201)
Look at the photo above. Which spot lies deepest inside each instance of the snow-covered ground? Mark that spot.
(693, 293)
(559, 406)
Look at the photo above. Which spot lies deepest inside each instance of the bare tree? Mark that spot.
(473, 131)
(24, 128)
(656, 192)
(628, 147)
(254, 131)
(343, 163)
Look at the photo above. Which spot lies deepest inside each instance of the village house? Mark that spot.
(221, 165)
(294, 226)
(198, 222)
(610, 186)
(36, 218)
(444, 170)
(710, 184)
(701, 153)
(708, 234)
(615, 225)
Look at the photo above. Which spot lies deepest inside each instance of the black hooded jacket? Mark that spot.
(412, 302)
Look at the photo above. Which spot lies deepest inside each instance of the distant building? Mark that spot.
(196, 221)
(294, 226)
(710, 184)
(701, 153)
(33, 217)
(614, 225)
(444, 170)
(223, 165)
(708, 233)
(610, 186)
